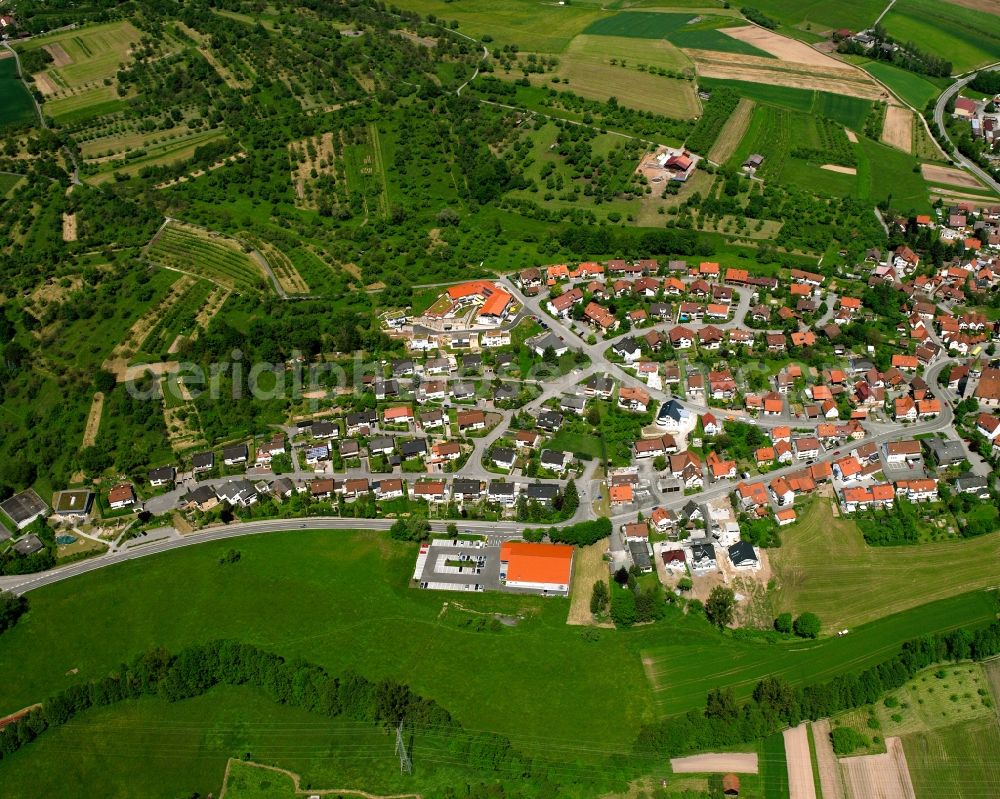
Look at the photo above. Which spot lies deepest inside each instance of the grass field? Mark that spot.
(652, 52)
(84, 104)
(640, 24)
(533, 26)
(853, 14)
(178, 320)
(199, 253)
(914, 89)
(773, 767)
(94, 51)
(714, 39)
(958, 762)
(341, 600)
(884, 172)
(966, 38)
(824, 566)
(8, 182)
(598, 79)
(850, 111)
(16, 107)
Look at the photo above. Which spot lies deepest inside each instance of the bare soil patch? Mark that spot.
(831, 782)
(732, 66)
(843, 170)
(883, 776)
(732, 132)
(946, 174)
(799, 763)
(851, 135)
(45, 84)
(589, 567)
(897, 130)
(736, 762)
(69, 227)
(93, 421)
(60, 58)
(54, 291)
(783, 48)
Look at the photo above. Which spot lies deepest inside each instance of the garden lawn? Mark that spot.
(825, 566)
(773, 767)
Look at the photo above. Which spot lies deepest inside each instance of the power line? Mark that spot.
(405, 766)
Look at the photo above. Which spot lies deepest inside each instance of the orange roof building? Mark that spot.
(621, 494)
(539, 567)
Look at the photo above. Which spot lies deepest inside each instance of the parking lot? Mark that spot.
(458, 565)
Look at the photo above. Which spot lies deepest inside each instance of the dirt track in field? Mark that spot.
(949, 175)
(799, 763)
(60, 58)
(831, 782)
(985, 6)
(783, 48)
(735, 762)
(879, 776)
(897, 130)
(851, 135)
(93, 421)
(732, 132)
(843, 170)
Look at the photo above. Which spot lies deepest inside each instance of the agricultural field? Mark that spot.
(76, 105)
(634, 52)
(967, 38)
(850, 111)
(884, 172)
(533, 26)
(732, 132)
(824, 565)
(171, 151)
(822, 15)
(87, 55)
(596, 79)
(640, 24)
(958, 761)
(16, 107)
(201, 253)
(911, 88)
(897, 130)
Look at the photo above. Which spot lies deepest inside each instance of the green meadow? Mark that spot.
(967, 38)
(914, 89)
(16, 107)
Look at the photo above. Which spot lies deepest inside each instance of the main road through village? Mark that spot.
(167, 539)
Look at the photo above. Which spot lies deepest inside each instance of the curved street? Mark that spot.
(955, 155)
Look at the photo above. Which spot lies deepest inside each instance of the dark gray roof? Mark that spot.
(324, 430)
(472, 361)
(28, 545)
(203, 460)
(640, 555)
(543, 492)
(946, 451)
(628, 344)
(601, 383)
(501, 488)
(381, 442)
(400, 368)
(200, 494)
(505, 392)
(553, 457)
(361, 418)
(24, 506)
(416, 447)
(550, 420)
(234, 452)
(703, 551)
(162, 473)
(741, 551)
(502, 454)
(467, 487)
(673, 409)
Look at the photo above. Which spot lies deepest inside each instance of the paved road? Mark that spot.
(942, 101)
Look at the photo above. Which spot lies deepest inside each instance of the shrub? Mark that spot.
(845, 741)
(807, 625)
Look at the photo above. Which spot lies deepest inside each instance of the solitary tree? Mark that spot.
(720, 606)
(807, 625)
(599, 597)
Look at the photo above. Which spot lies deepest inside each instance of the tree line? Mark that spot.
(197, 669)
(775, 704)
